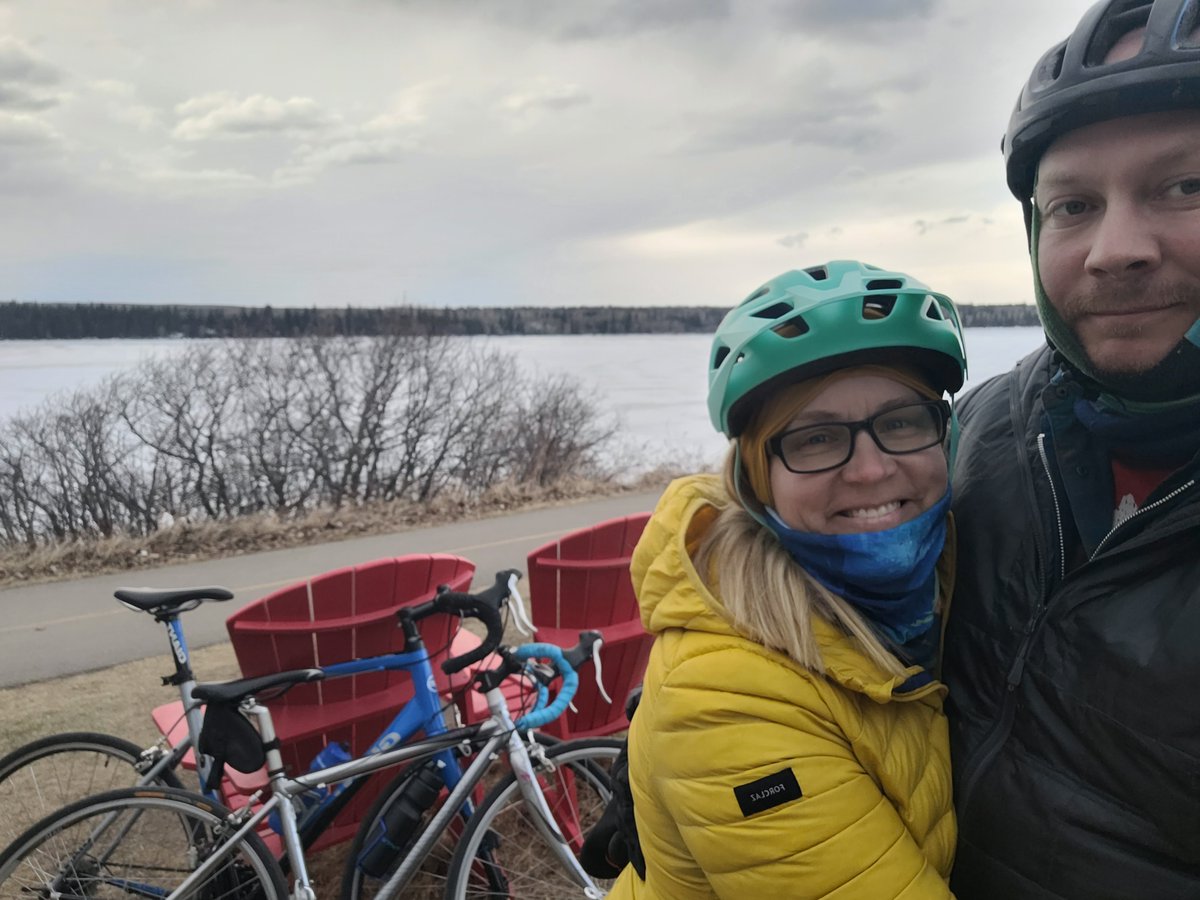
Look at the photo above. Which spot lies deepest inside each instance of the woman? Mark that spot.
(790, 741)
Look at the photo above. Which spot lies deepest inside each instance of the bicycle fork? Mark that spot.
(526, 772)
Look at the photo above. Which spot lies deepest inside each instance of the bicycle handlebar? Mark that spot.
(484, 606)
(565, 663)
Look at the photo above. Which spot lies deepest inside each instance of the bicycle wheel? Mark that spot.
(47, 774)
(134, 844)
(576, 790)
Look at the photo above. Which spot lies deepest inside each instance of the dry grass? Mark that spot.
(189, 542)
(117, 700)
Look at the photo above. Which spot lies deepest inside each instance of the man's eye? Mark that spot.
(1188, 187)
(1068, 208)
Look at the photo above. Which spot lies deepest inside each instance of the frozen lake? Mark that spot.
(654, 384)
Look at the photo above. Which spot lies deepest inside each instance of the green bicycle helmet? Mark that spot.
(809, 322)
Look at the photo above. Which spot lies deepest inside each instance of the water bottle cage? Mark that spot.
(399, 822)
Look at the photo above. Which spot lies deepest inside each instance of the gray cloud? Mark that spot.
(30, 153)
(15, 97)
(20, 63)
(831, 120)
(553, 98)
(26, 78)
(310, 161)
(505, 150)
(25, 132)
(587, 21)
(224, 115)
(924, 227)
(845, 15)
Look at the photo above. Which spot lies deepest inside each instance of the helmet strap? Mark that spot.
(752, 506)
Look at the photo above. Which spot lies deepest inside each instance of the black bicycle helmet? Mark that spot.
(1072, 86)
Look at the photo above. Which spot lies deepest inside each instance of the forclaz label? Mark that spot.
(767, 793)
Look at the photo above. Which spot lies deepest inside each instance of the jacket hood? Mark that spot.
(672, 594)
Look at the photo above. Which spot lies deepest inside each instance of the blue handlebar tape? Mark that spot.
(570, 681)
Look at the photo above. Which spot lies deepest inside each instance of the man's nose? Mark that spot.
(868, 462)
(1124, 242)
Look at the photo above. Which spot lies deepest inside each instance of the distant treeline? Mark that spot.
(34, 321)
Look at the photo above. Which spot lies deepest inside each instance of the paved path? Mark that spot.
(48, 630)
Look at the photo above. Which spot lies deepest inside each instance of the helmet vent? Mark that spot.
(1188, 35)
(933, 309)
(792, 328)
(761, 292)
(878, 306)
(1051, 65)
(818, 273)
(1122, 17)
(719, 357)
(774, 311)
(884, 284)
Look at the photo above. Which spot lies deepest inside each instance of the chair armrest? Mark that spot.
(616, 562)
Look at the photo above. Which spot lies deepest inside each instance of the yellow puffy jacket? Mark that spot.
(755, 777)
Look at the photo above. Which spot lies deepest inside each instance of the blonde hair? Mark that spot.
(765, 594)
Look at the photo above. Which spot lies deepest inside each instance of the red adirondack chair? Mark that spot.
(334, 617)
(581, 581)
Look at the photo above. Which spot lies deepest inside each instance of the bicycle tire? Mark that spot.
(47, 774)
(135, 843)
(529, 868)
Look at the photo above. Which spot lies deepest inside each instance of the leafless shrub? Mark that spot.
(226, 429)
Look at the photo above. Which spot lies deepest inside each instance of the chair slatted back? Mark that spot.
(581, 581)
(346, 614)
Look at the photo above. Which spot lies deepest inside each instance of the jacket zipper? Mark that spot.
(999, 733)
(1159, 502)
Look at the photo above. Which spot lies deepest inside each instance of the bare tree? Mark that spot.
(224, 429)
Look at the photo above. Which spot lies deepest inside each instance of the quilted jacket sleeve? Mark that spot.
(729, 716)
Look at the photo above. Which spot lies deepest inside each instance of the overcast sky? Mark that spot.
(503, 152)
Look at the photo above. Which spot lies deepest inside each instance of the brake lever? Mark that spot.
(517, 605)
(599, 674)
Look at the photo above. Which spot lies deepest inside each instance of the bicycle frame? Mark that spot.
(422, 712)
(156, 760)
(500, 734)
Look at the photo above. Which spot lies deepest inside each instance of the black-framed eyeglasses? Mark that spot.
(828, 445)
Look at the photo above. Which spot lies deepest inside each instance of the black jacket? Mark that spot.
(1074, 677)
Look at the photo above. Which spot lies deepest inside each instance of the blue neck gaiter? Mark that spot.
(888, 575)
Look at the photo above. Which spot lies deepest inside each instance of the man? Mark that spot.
(1073, 647)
